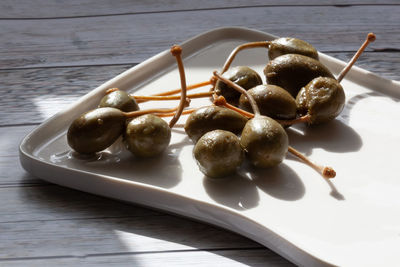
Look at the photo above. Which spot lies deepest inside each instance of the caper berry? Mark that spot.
(289, 45)
(323, 99)
(292, 72)
(273, 101)
(210, 118)
(95, 130)
(147, 135)
(265, 141)
(120, 100)
(218, 153)
(243, 76)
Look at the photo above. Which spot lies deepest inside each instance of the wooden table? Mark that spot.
(53, 52)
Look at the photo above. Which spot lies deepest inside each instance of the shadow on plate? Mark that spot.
(237, 191)
(334, 136)
(280, 182)
(164, 170)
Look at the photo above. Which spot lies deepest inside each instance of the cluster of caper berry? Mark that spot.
(144, 133)
(299, 89)
(247, 118)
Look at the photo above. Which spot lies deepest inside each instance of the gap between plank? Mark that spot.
(127, 253)
(200, 9)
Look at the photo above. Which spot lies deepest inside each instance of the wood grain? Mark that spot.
(57, 217)
(31, 94)
(54, 9)
(74, 236)
(220, 257)
(48, 202)
(130, 39)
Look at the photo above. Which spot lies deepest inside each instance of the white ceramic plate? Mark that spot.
(352, 220)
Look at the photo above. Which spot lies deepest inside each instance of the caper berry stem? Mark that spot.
(241, 90)
(176, 51)
(370, 38)
(221, 101)
(111, 90)
(149, 111)
(233, 54)
(326, 172)
(176, 91)
(169, 114)
(302, 119)
(174, 97)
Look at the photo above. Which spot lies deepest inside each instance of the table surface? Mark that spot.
(53, 52)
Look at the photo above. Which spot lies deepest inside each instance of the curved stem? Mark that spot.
(111, 90)
(220, 101)
(241, 90)
(326, 172)
(148, 111)
(370, 38)
(305, 118)
(233, 54)
(175, 97)
(175, 91)
(176, 51)
(169, 114)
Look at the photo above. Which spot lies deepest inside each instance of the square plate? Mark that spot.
(351, 220)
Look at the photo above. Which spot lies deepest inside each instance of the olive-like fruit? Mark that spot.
(147, 135)
(292, 72)
(218, 153)
(273, 101)
(241, 75)
(210, 118)
(120, 100)
(264, 141)
(95, 130)
(289, 45)
(323, 99)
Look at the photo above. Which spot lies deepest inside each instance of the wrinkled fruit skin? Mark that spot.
(292, 72)
(288, 45)
(147, 136)
(95, 130)
(273, 101)
(120, 100)
(322, 98)
(265, 142)
(218, 153)
(211, 118)
(243, 76)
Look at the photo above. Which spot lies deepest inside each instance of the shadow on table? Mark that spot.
(128, 230)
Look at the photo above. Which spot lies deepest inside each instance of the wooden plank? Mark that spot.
(45, 223)
(385, 64)
(12, 174)
(9, 9)
(48, 202)
(36, 94)
(222, 258)
(33, 95)
(10, 138)
(132, 38)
